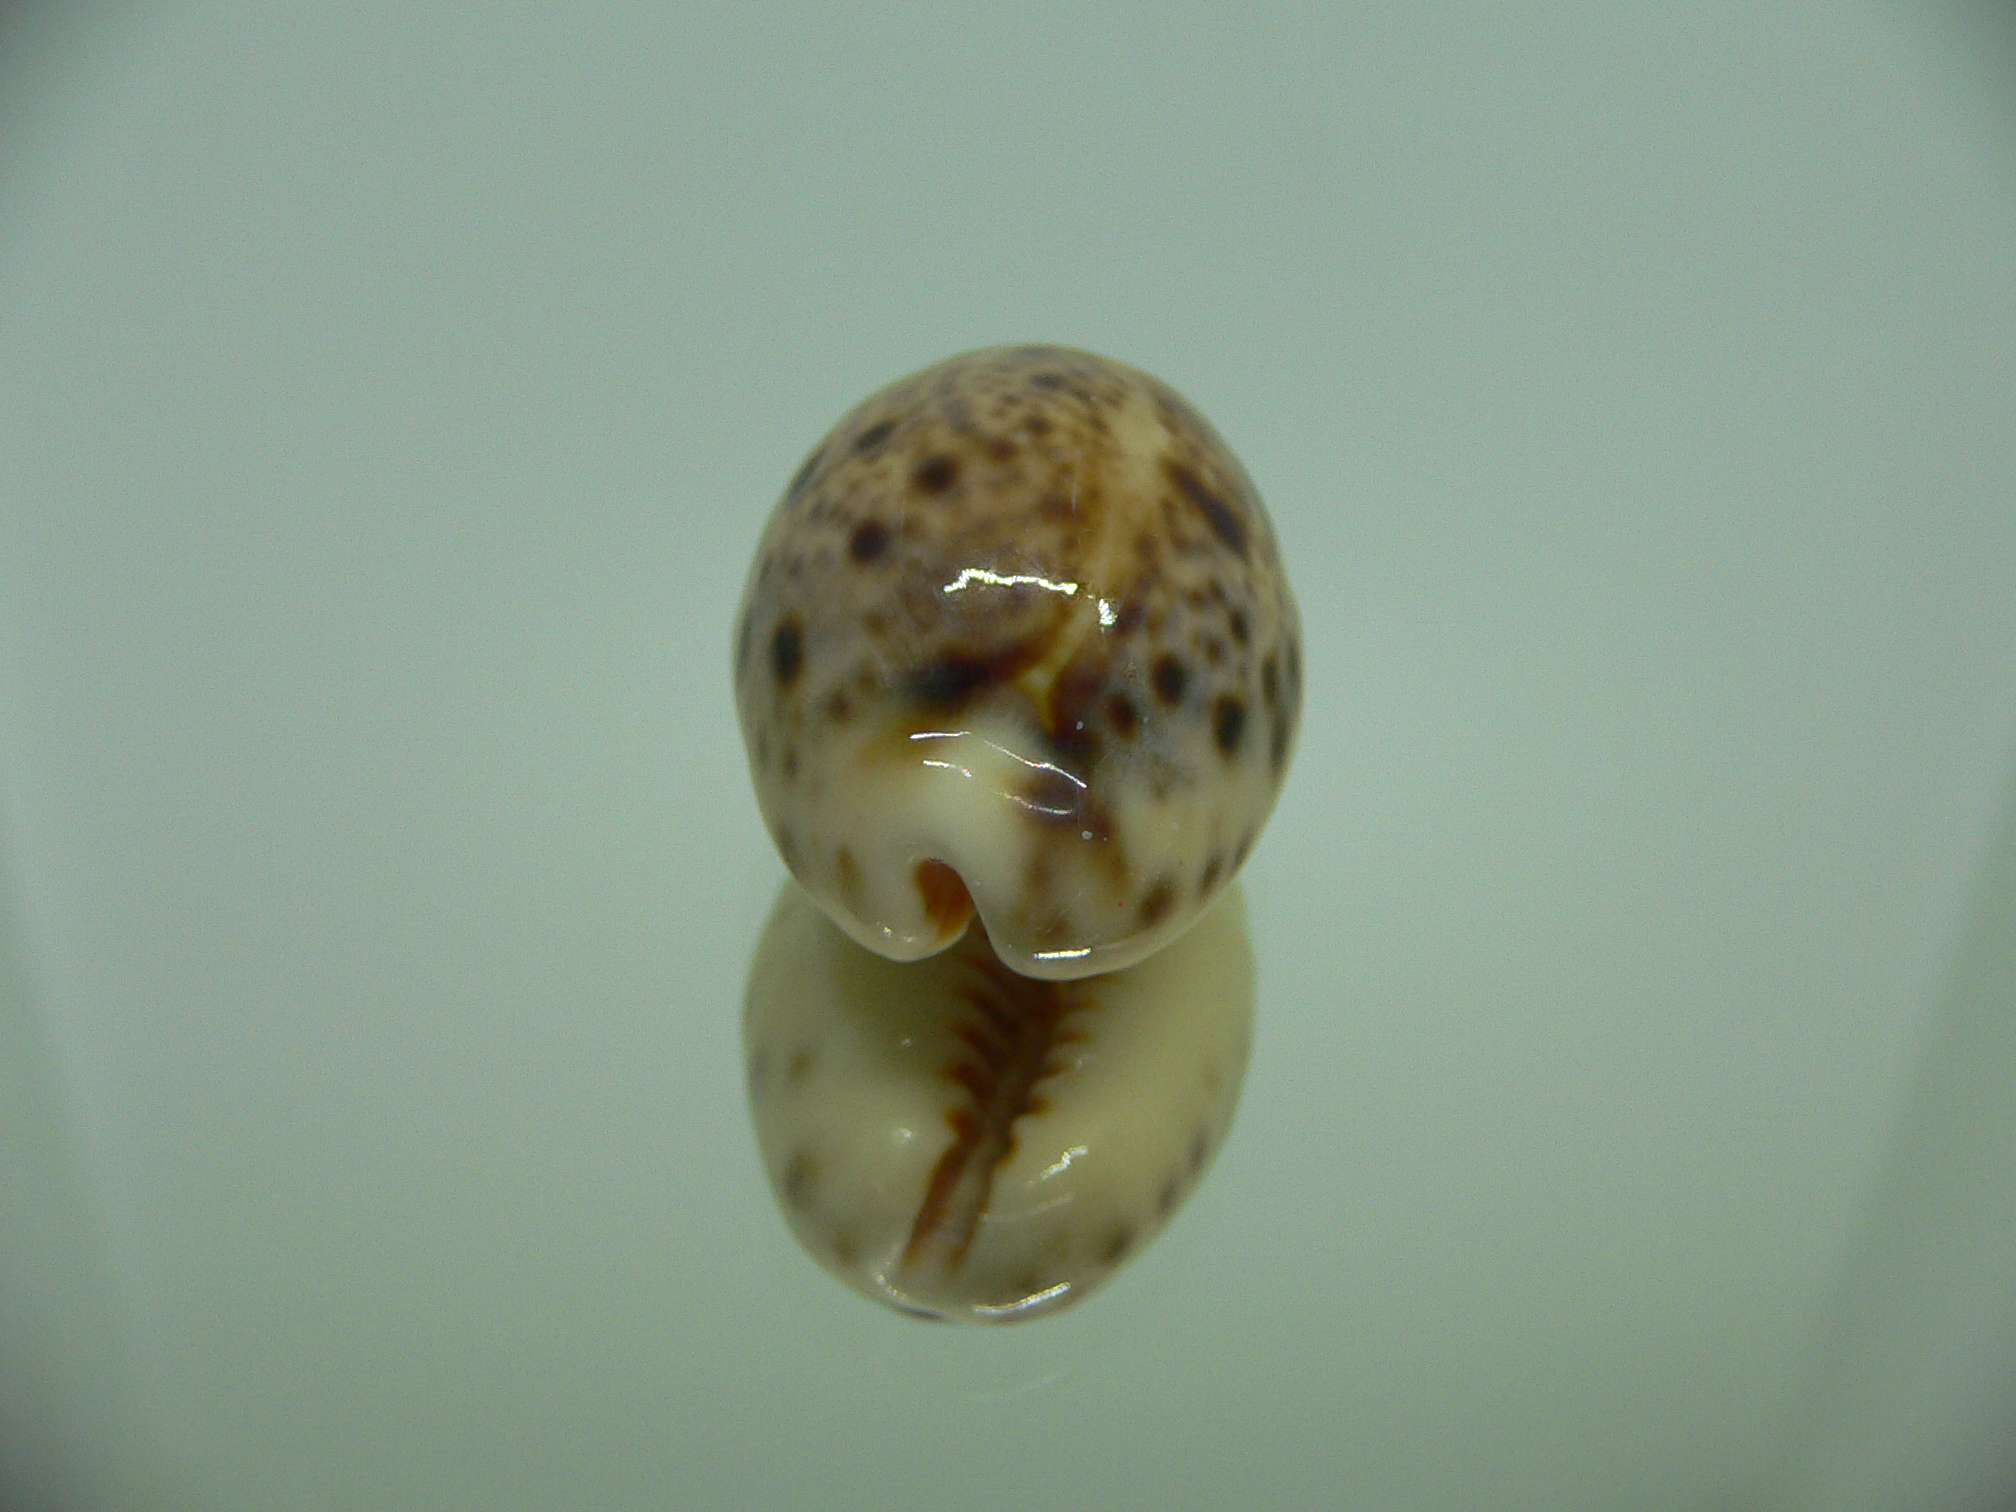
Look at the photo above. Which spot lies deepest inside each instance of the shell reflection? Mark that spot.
(962, 1142)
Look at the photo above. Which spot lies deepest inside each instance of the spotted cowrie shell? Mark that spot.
(1018, 642)
(1019, 673)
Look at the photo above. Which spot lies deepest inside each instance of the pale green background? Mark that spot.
(389, 400)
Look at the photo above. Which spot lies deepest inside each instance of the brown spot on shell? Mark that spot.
(801, 1064)
(1170, 678)
(1123, 716)
(1228, 723)
(787, 650)
(1074, 697)
(935, 474)
(869, 540)
(1156, 903)
(874, 436)
(1096, 821)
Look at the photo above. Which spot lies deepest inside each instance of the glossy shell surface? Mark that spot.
(1017, 640)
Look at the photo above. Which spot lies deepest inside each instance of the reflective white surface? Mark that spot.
(388, 408)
